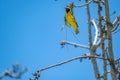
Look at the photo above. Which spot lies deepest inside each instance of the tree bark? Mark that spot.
(92, 51)
(109, 36)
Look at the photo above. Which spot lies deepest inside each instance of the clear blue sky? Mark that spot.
(30, 34)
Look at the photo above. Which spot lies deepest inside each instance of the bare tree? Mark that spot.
(16, 72)
(104, 29)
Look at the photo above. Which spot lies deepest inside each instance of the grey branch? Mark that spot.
(93, 60)
(116, 21)
(74, 44)
(116, 31)
(84, 56)
(78, 6)
(117, 59)
(109, 36)
(115, 25)
(96, 32)
(76, 58)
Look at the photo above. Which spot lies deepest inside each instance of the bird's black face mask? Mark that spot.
(67, 9)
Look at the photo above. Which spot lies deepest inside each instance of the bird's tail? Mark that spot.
(76, 31)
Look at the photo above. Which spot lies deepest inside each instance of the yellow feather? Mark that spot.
(71, 21)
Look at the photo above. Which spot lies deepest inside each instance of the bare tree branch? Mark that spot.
(78, 6)
(116, 21)
(102, 40)
(74, 44)
(16, 72)
(92, 50)
(104, 61)
(76, 58)
(109, 36)
(116, 31)
(117, 59)
(96, 32)
(115, 25)
(37, 73)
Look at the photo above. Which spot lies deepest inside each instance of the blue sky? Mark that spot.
(30, 34)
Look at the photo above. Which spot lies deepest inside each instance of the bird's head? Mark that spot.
(67, 9)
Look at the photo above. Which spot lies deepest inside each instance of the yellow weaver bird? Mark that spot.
(70, 19)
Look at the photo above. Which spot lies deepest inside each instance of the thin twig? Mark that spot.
(116, 31)
(15, 73)
(78, 6)
(115, 25)
(74, 44)
(117, 59)
(116, 21)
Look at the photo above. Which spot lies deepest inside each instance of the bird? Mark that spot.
(70, 19)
